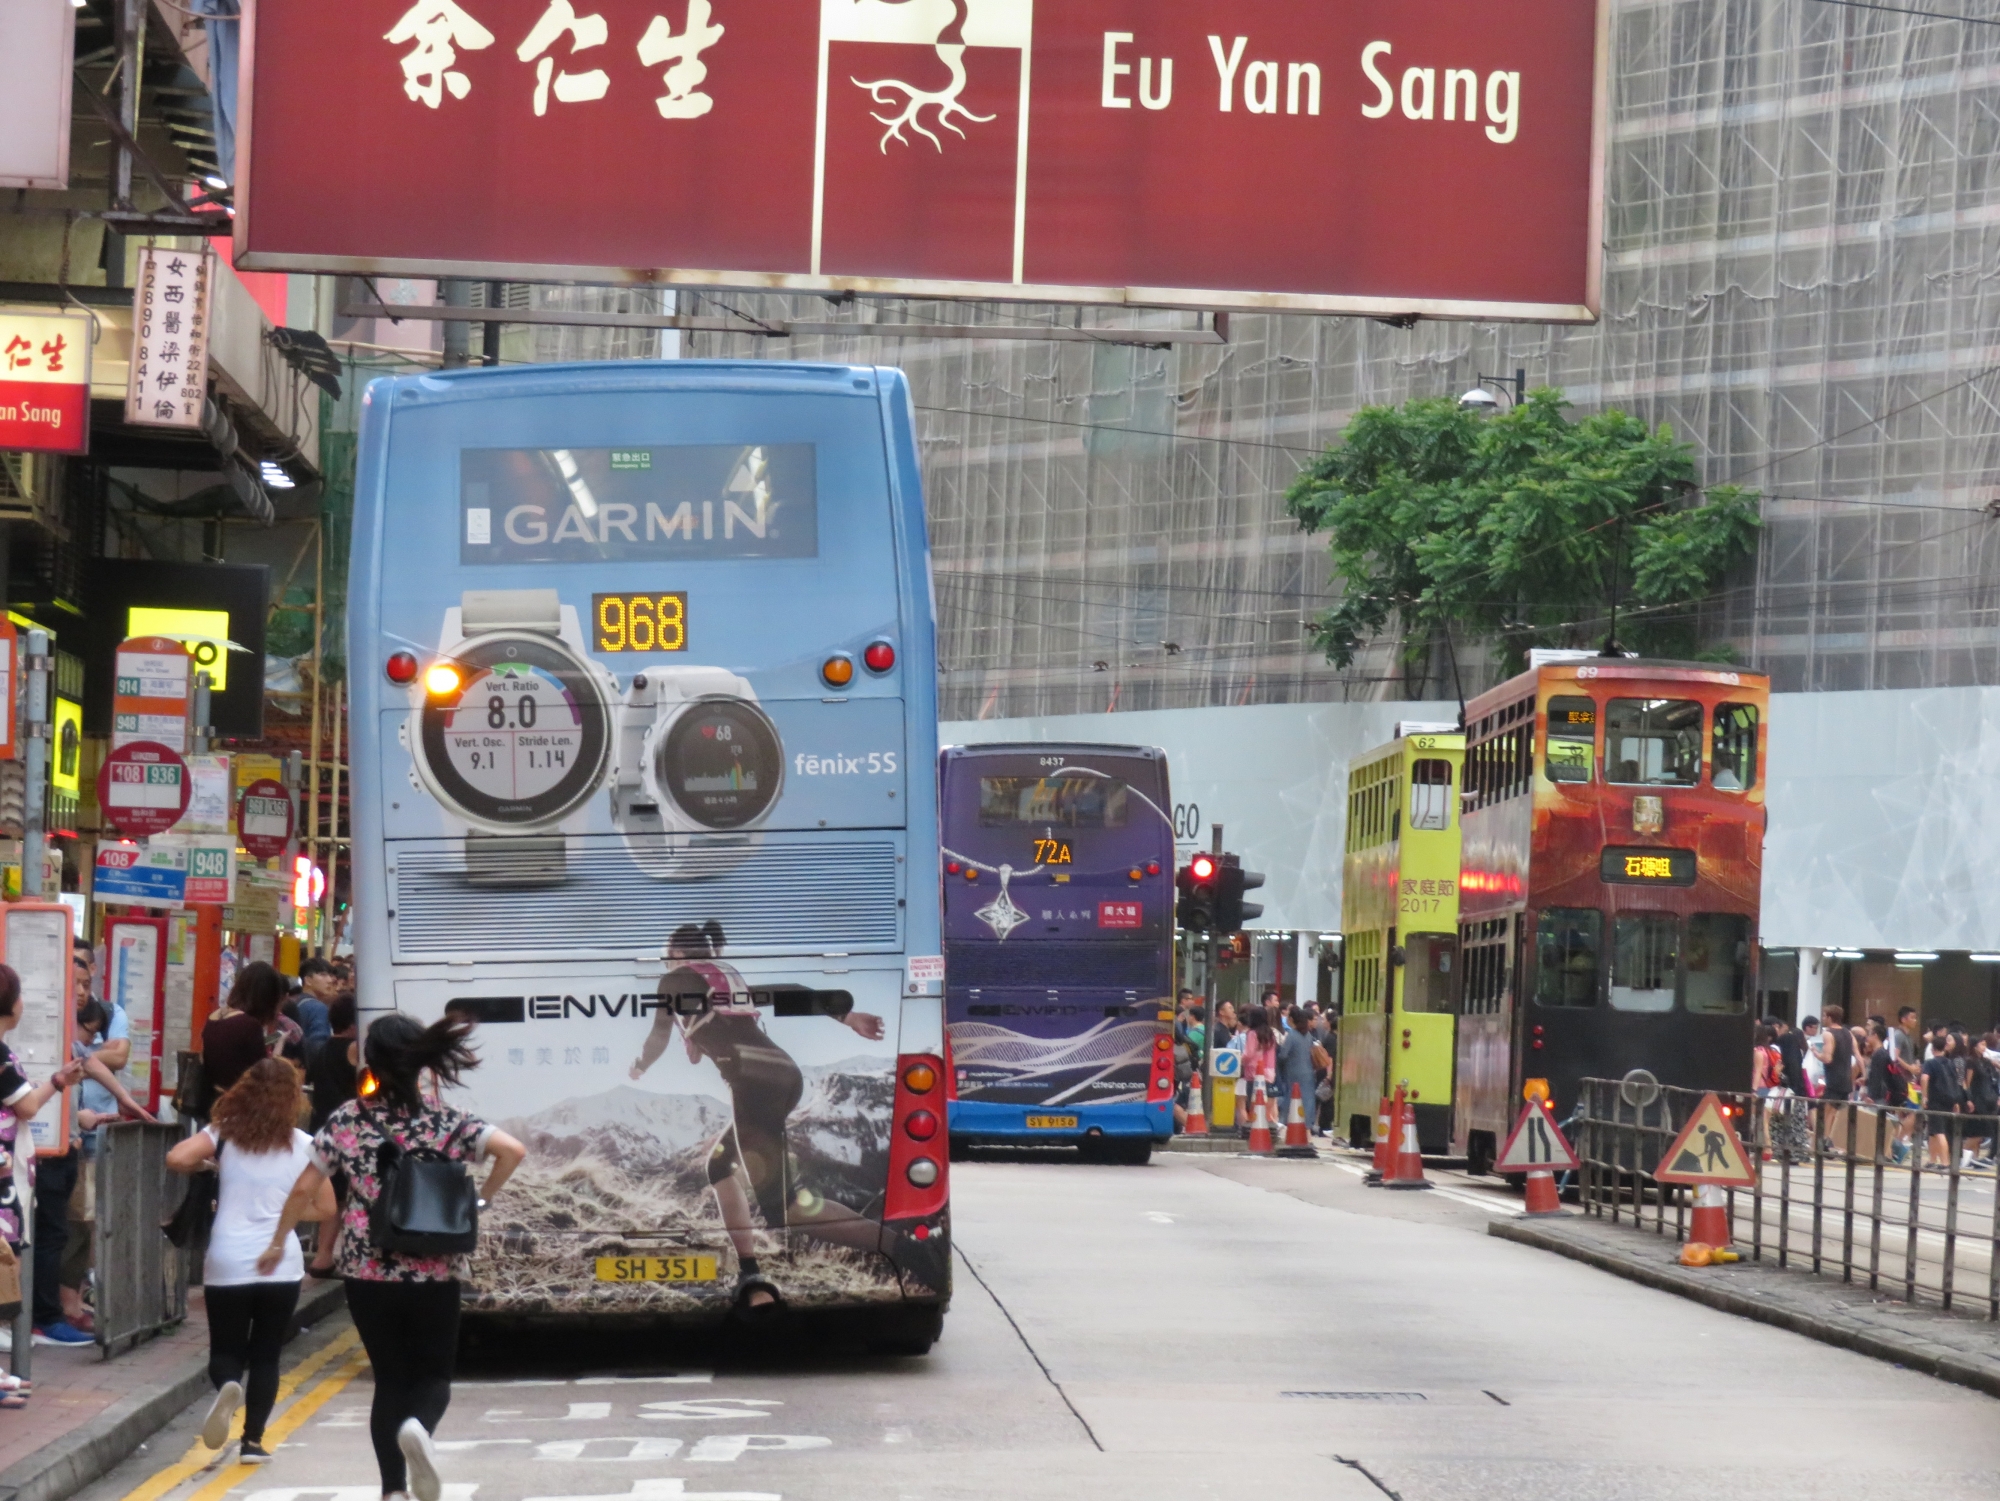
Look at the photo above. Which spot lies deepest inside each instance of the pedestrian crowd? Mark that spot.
(1943, 1082)
(303, 1121)
(1285, 1048)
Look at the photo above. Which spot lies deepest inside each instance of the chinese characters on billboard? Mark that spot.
(44, 381)
(1434, 156)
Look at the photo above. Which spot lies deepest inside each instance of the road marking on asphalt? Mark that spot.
(457, 1492)
(309, 1402)
(200, 1457)
(1450, 1193)
(579, 1412)
(1158, 1218)
(733, 1408)
(568, 1450)
(686, 1378)
(726, 1448)
(668, 1490)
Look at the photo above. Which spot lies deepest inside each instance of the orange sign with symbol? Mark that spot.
(1707, 1151)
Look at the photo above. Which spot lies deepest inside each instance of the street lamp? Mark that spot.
(1484, 403)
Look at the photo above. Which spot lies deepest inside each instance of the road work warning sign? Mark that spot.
(1536, 1144)
(1707, 1151)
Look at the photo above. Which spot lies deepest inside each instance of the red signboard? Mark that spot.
(264, 819)
(143, 788)
(44, 381)
(1377, 156)
(1120, 915)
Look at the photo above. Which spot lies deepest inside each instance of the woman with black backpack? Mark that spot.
(401, 1153)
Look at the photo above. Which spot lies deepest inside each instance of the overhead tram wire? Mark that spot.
(1904, 10)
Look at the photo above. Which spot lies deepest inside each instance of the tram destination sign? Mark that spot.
(1436, 157)
(1646, 867)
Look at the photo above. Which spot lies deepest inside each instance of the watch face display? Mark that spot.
(721, 763)
(523, 739)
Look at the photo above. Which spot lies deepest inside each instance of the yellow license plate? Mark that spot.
(656, 1269)
(1051, 1123)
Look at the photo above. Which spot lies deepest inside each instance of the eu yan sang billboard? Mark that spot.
(1441, 157)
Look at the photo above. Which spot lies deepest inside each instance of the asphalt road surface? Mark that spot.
(1200, 1328)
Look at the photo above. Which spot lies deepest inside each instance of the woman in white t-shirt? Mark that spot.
(254, 1144)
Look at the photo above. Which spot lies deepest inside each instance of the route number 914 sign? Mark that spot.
(1440, 158)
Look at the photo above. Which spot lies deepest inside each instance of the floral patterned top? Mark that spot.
(349, 1143)
(17, 1150)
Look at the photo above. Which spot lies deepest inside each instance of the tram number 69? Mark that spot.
(1187, 820)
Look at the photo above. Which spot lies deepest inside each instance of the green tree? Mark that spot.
(1517, 530)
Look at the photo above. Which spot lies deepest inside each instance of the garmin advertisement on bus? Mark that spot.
(656, 503)
(656, 815)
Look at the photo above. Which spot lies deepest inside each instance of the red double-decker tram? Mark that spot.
(1613, 851)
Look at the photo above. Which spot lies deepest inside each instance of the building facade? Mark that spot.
(1801, 231)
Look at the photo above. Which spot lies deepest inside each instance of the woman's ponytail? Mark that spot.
(399, 1049)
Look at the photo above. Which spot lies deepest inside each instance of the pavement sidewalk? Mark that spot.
(1957, 1347)
(88, 1413)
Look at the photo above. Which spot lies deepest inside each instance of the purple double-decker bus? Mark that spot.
(1058, 871)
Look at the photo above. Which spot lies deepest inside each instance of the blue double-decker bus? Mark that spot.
(645, 744)
(1058, 943)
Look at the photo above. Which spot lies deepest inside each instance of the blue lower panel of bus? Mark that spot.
(973, 1120)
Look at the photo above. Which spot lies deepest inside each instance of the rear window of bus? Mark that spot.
(1069, 801)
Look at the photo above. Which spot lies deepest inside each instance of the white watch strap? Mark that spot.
(482, 610)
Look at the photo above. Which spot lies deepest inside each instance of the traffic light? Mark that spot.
(1232, 880)
(1195, 881)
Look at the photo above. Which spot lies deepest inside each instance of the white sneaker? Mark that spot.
(421, 1458)
(215, 1427)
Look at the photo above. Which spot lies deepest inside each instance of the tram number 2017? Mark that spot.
(640, 622)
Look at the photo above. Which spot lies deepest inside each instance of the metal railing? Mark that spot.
(1842, 1186)
(142, 1280)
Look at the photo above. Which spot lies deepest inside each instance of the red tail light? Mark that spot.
(919, 1171)
(1160, 1076)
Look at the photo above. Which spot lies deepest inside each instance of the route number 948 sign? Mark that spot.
(1439, 157)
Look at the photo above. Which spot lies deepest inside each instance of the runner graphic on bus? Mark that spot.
(717, 1014)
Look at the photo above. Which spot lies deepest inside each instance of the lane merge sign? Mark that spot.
(1536, 1144)
(1707, 1151)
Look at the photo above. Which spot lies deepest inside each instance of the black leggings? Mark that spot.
(410, 1330)
(765, 1087)
(247, 1327)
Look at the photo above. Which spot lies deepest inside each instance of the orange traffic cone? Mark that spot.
(1197, 1123)
(1542, 1196)
(1407, 1171)
(1260, 1123)
(1297, 1143)
(1384, 1154)
(1709, 1223)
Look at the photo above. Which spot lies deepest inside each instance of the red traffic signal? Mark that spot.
(1202, 867)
